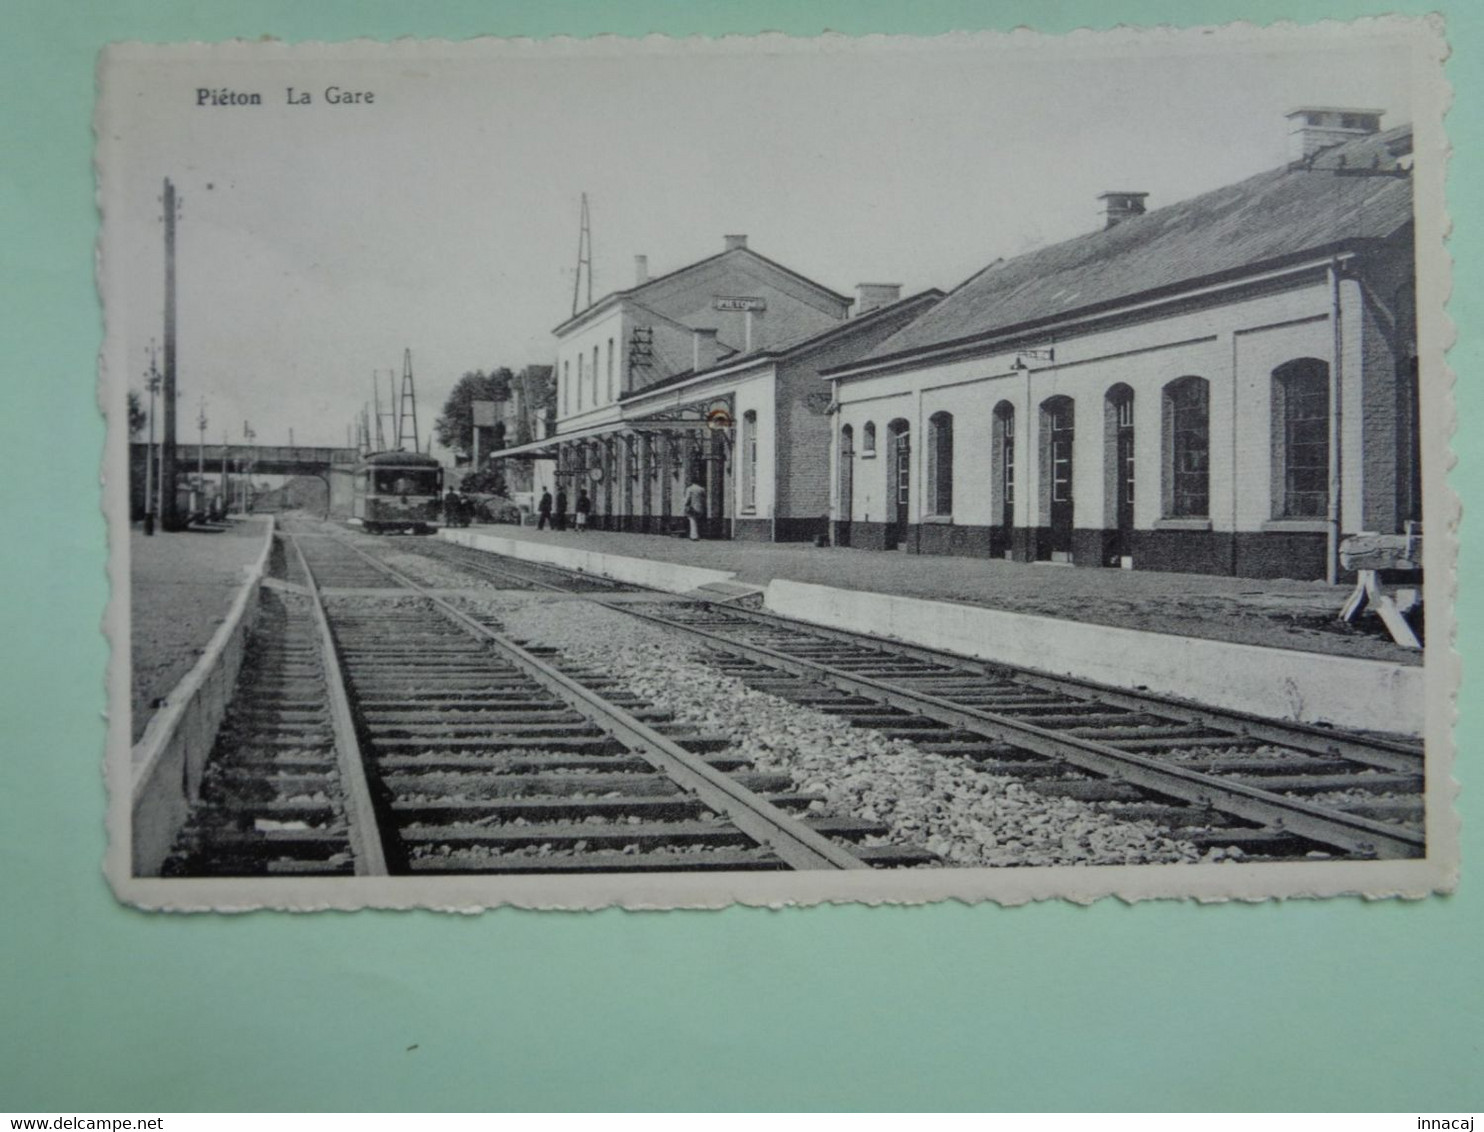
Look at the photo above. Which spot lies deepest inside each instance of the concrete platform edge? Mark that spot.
(672, 577)
(1279, 684)
(170, 757)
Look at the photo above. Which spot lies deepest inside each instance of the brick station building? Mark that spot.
(707, 374)
(1225, 385)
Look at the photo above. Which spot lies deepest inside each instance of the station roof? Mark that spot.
(649, 285)
(1347, 194)
(799, 344)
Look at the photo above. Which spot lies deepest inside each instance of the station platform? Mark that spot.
(1274, 613)
(181, 586)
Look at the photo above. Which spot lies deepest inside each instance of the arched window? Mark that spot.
(1002, 464)
(566, 386)
(1187, 419)
(749, 460)
(1301, 439)
(581, 380)
(940, 464)
(868, 439)
(610, 369)
(595, 375)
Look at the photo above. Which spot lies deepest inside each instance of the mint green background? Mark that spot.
(1333, 1005)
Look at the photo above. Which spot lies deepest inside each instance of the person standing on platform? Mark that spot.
(559, 521)
(695, 508)
(543, 511)
(584, 505)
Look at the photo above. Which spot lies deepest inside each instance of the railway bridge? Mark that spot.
(334, 466)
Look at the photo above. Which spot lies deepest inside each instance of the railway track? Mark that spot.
(1215, 778)
(381, 736)
(513, 573)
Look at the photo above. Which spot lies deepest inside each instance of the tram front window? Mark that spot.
(406, 481)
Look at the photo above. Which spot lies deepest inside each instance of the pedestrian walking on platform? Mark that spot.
(543, 511)
(584, 505)
(559, 518)
(695, 508)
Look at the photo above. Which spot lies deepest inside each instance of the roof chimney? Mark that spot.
(874, 296)
(641, 270)
(1312, 128)
(704, 348)
(1121, 206)
(735, 242)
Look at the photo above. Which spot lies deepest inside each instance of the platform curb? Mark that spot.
(1280, 684)
(672, 577)
(170, 757)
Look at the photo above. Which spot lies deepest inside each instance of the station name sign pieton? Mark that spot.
(739, 303)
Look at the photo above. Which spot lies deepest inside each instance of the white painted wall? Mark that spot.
(577, 407)
(756, 393)
(1234, 346)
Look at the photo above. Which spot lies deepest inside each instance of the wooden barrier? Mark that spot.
(170, 758)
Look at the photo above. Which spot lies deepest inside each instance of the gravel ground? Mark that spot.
(940, 803)
(181, 586)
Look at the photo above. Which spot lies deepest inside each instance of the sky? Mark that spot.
(316, 242)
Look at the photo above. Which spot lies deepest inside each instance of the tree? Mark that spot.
(137, 416)
(455, 428)
(538, 400)
(490, 481)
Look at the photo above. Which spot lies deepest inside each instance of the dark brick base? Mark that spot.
(869, 536)
(1184, 552)
(840, 533)
(1265, 554)
(752, 530)
(800, 530)
(1280, 554)
(949, 538)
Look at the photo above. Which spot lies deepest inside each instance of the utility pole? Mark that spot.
(201, 459)
(249, 435)
(584, 258)
(226, 476)
(152, 383)
(376, 398)
(169, 512)
(408, 411)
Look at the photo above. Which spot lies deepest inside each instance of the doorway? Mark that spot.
(1060, 432)
(846, 510)
(899, 472)
(1120, 415)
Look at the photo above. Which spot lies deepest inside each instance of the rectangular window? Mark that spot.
(595, 375)
(940, 463)
(749, 461)
(566, 386)
(610, 369)
(1306, 446)
(580, 358)
(1190, 449)
(1007, 457)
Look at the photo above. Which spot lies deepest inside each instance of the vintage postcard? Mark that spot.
(668, 473)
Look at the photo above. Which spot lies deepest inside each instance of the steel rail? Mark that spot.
(360, 810)
(795, 843)
(1387, 754)
(1382, 753)
(506, 572)
(1357, 835)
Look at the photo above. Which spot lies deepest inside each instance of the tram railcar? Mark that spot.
(397, 491)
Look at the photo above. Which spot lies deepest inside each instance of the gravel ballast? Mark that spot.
(940, 803)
